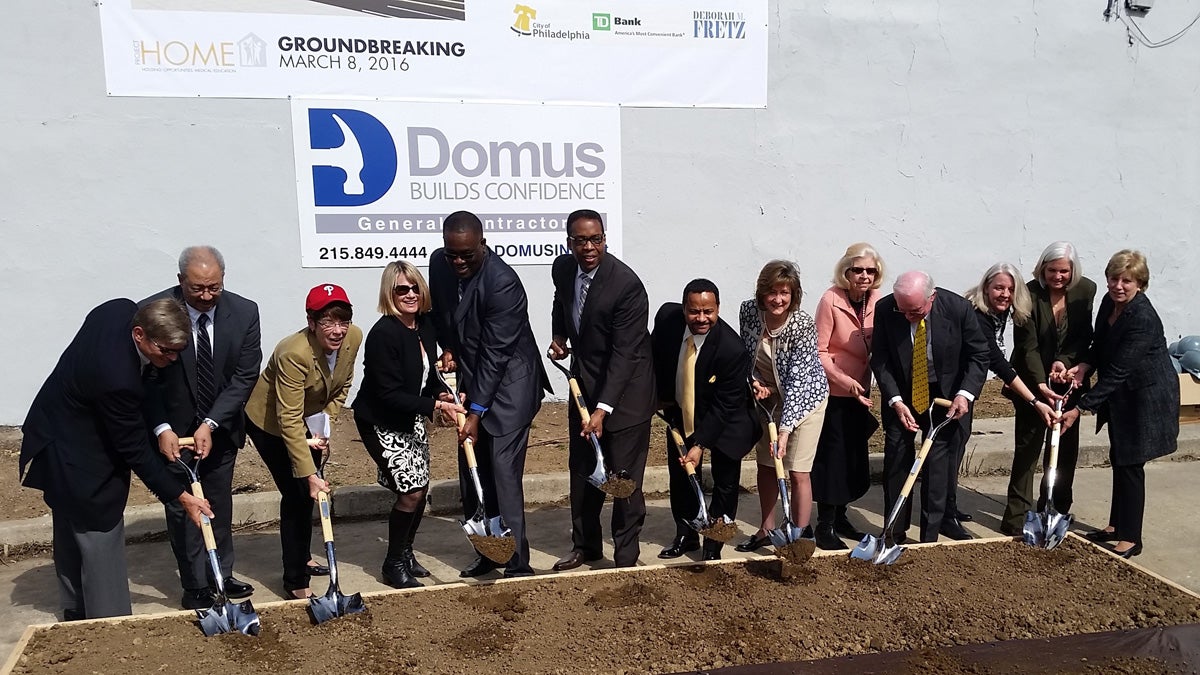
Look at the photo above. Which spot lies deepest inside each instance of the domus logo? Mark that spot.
(358, 157)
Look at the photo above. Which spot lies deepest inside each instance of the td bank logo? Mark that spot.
(601, 21)
(606, 21)
(525, 15)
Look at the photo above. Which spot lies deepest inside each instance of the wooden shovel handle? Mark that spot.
(468, 445)
(578, 396)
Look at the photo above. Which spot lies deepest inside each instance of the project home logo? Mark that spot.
(200, 56)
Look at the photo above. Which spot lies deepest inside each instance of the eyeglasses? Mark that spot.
(594, 240)
(465, 256)
(330, 324)
(215, 289)
(404, 289)
(167, 351)
(861, 270)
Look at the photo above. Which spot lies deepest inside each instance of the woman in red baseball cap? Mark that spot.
(303, 388)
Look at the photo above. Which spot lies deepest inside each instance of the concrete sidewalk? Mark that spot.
(30, 586)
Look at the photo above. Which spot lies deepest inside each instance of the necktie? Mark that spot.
(206, 388)
(920, 371)
(462, 286)
(584, 282)
(687, 397)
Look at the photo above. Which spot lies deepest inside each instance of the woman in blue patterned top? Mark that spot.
(787, 376)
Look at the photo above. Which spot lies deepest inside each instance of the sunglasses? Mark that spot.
(404, 289)
(168, 351)
(465, 256)
(868, 270)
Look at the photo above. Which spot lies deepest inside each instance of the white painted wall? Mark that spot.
(950, 135)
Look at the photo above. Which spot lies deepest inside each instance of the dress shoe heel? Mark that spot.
(827, 540)
(963, 517)
(1101, 536)
(1136, 550)
(953, 529)
(414, 568)
(572, 560)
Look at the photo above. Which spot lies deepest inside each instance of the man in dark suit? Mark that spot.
(202, 395)
(84, 433)
(600, 307)
(953, 353)
(701, 366)
(482, 319)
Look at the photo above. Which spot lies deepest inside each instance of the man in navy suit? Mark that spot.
(954, 351)
(83, 434)
(601, 309)
(481, 313)
(202, 394)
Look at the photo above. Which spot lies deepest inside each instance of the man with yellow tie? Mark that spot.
(700, 365)
(927, 344)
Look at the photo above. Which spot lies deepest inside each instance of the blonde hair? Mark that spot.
(165, 320)
(774, 273)
(1133, 262)
(387, 300)
(1021, 302)
(860, 250)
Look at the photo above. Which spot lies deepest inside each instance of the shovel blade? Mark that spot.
(784, 535)
(1057, 525)
(229, 618)
(334, 604)
(876, 550)
(490, 538)
(1033, 532)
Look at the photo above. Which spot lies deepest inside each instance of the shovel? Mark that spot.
(718, 529)
(489, 536)
(334, 603)
(618, 485)
(790, 543)
(1046, 529)
(224, 616)
(883, 550)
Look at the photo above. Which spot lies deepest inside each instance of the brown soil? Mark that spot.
(350, 464)
(681, 618)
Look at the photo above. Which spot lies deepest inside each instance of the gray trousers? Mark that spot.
(92, 577)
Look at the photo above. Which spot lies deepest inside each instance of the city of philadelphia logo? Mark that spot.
(719, 25)
(606, 21)
(525, 15)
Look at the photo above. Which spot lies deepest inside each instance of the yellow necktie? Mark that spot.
(920, 371)
(687, 397)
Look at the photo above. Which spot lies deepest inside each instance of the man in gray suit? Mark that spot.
(481, 313)
(202, 395)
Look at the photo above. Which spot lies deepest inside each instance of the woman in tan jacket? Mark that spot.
(302, 389)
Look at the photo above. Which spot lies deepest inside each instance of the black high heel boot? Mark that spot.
(395, 568)
(414, 568)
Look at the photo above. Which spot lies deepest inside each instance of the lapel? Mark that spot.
(222, 339)
(704, 360)
(936, 328)
(469, 292)
(595, 289)
(318, 355)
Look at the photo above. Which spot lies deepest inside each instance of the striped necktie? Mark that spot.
(584, 282)
(920, 371)
(206, 388)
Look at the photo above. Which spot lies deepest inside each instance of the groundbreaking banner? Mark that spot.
(664, 53)
(375, 180)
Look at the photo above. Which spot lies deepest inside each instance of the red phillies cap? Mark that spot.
(321, 296)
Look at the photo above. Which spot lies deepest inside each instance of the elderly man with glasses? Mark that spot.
(481, 314)
(927, 344)
(202, 395)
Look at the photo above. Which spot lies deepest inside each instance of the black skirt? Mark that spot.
(841, 472)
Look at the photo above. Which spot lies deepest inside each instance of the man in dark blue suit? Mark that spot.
(481, 313)
(83, 434)
(202, 394)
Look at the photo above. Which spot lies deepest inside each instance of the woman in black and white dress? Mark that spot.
(400, 390)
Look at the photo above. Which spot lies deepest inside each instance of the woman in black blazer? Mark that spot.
(400, 390)
(1136, 394)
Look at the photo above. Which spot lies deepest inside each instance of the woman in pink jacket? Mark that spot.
(845, 318)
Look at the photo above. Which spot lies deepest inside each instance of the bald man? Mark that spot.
(955, 353)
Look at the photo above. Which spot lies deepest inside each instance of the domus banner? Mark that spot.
(376, 179)
(665, 53)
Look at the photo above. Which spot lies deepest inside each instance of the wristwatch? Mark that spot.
(212, 426)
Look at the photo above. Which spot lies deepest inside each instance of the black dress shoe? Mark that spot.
(236, 589)
(572, 560)
(1136, 550)
(514, 574)
(754, 543)
(712, 555)
(843, 528)
(201, 599)
(397, 575)
(712, 549)
(953, 529)
(827, 540)
(480, 567)
(1101, 536)
(315, 570)
(900, 538)
(73, 615)
(963, 517)
(680, 545)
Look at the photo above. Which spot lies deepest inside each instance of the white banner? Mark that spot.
(375, 179)
(665, 53)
